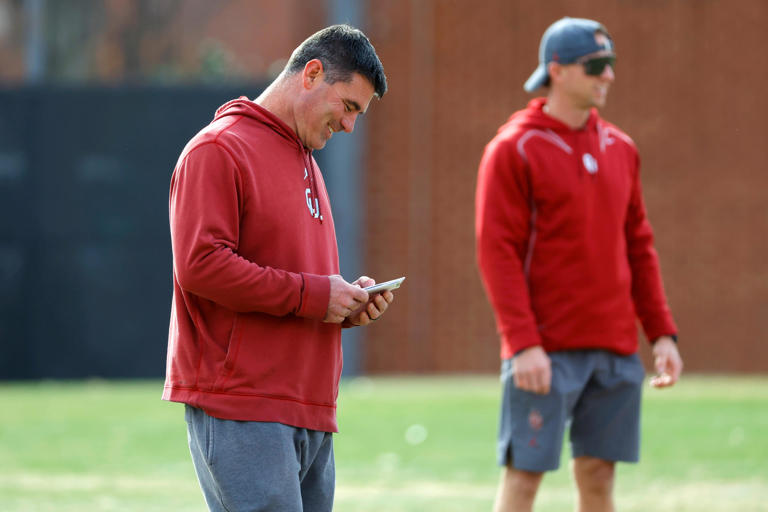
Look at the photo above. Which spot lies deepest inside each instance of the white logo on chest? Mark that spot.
(590, 164)
(314, 211)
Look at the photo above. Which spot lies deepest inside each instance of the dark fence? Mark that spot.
(85, 260)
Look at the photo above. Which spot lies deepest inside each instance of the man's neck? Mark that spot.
(563, 111)
(274, 99)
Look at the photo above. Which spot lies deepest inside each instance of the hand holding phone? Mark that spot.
(375, 290)
(386, 285)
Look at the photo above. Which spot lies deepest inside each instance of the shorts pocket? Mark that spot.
(629, 368)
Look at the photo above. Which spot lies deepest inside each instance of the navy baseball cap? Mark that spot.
(565, 41)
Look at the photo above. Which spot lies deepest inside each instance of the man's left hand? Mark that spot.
(375, 307)
(667, 361)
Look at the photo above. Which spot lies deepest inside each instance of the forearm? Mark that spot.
(507, 290)
(647, 286)
(226, 278)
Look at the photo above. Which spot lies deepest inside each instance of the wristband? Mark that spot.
(673, 336)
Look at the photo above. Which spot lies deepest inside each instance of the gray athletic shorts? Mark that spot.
(249, 465)
(597, 392)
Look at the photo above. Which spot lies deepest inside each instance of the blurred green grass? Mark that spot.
(406, 444)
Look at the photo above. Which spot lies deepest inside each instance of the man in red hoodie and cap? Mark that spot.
(254, 348)
(566, 253)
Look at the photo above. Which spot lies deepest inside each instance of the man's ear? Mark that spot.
(554, 70)
(313, 71)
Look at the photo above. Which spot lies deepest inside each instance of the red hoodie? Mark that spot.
(564, 245)
(253, 243)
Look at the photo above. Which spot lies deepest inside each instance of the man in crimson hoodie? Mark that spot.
(254, 345)
(566, 254)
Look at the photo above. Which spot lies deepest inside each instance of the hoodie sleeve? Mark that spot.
(647, 288)
(502, 230)
(205, 207)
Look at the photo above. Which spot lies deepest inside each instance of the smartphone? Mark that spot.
(386, 285)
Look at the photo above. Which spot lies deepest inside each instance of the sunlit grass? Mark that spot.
(406, 444)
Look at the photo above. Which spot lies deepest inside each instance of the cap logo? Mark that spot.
(608, 45)
(555, 57)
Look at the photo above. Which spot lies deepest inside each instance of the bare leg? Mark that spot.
(594, 480)
(517, 490)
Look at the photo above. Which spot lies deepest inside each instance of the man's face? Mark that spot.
(585, 90)
(327, 108)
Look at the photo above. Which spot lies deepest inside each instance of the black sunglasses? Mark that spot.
(596, 65)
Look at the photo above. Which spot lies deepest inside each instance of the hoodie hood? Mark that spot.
(534, 117)
(245, 107)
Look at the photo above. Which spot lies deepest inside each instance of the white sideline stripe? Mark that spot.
(75, 482)
(418, 489)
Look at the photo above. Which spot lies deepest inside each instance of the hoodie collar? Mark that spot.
(243, 106)
(534, 116)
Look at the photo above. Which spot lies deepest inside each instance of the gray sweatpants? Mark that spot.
(256, 466)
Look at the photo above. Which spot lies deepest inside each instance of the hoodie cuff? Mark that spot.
(315, 294)
(517, 340)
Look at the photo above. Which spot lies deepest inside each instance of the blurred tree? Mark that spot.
(12, 21)
(115, 41)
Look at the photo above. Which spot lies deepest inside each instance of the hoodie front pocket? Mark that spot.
(233, 347)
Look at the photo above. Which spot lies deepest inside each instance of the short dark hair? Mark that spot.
(343, 50)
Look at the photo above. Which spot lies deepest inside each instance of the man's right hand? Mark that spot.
(345, 298)
(532, 370)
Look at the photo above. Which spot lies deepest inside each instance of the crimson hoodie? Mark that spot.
(253, 243)
(564, 245)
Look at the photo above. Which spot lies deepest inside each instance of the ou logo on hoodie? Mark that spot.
(314, 210)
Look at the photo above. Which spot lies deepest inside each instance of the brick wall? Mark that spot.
(688, 90)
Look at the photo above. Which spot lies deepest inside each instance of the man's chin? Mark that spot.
(600, 101)
(316, 145)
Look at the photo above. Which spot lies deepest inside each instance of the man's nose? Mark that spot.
(348, 122)
(608, 73)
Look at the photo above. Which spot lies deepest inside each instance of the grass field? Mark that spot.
(407, 444)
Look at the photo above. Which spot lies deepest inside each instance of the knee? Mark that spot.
(522, 483)
(594, 476)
